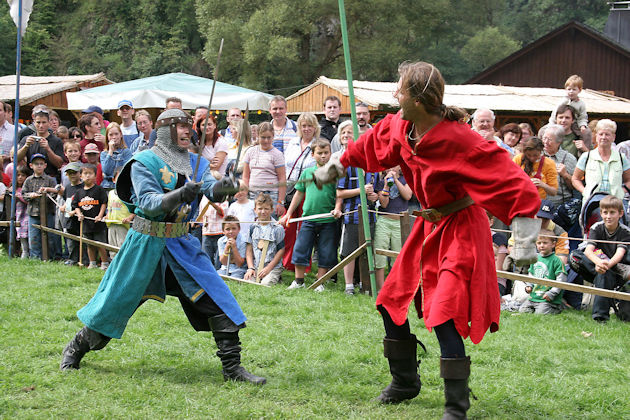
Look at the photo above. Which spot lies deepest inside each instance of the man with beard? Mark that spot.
(160, 257)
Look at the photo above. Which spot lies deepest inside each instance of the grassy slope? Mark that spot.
(321, 353)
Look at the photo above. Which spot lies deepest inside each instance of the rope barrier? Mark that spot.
(570, 238)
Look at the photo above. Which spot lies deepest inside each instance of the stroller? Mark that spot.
(581, 268)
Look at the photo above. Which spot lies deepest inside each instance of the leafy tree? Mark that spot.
(488, 46)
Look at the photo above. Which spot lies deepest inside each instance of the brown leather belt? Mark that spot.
(434, 215)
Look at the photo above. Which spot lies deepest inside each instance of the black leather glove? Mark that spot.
(225, 187)
(186, 194)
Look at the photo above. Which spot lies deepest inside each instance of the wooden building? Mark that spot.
(49, 91)
(510, 103)
(573, 48)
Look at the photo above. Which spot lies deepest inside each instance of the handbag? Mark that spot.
(582, 265)
(291, 186)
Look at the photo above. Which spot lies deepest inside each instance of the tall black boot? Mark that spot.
(455, 373)
(403, 365)
(85, 340)
(226, 336)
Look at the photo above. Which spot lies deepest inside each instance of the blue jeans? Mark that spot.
(326, 244)
(35, 238)
(209, 245)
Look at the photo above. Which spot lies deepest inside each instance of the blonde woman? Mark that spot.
(115, 156)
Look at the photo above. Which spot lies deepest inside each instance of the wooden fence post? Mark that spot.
(405, 226)
(43, 216)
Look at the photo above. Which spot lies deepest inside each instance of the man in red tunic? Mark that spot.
(446, 266)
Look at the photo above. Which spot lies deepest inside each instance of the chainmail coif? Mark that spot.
(167, 149)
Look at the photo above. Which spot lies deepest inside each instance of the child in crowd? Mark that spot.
(70, 224)
(348, 199)
(607, 256)
(393, 196)
(232, 249)
(118, 216)
(265, 244)
(212, 228)
(72, 150)
(63, 133)
(242, 208)
(573, 86)
(21, 213)
(321, 231)
(91, 155)
(35, 186)
(89, 204)
(545, 299)
(114, 156)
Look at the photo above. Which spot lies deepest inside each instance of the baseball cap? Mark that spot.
(546, 209)
(72, 166)
(125, 102)
(37, 155)
(92, 108)
(91, 148)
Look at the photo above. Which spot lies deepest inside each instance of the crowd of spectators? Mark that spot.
(252, 236)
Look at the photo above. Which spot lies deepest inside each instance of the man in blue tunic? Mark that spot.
(159, 257)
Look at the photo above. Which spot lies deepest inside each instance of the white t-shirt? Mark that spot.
(244, 212)
(210, 151)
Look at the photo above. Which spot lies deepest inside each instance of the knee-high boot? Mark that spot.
(226, 336)
(85, 340)
(403, 365)
(455, 373)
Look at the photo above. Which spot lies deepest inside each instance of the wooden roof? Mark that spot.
(573, 48)
(48, 90)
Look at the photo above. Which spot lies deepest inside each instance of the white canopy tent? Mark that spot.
(151, 92)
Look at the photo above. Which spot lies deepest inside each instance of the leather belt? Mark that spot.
(434, 215)
(159, 229)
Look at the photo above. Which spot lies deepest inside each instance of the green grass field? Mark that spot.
(321, 354)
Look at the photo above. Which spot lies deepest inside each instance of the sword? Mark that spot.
(262, 187)
(202, 142)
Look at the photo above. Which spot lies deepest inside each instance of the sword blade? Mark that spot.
(202, 141)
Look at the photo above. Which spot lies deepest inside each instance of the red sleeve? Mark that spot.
(497, 184)
(376, 149)
(6, 180)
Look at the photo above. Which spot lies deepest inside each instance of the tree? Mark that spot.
(488, 46)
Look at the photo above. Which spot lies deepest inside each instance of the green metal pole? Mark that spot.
(355, 125)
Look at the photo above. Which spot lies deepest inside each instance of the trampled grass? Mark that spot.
(321, 354)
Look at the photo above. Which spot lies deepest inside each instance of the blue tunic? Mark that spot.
(138, 271)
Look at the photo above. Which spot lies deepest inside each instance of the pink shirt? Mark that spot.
(262, 167)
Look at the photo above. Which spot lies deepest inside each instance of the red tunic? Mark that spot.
(448, 267)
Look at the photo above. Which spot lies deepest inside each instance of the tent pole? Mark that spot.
(16, 122)
(355, 127)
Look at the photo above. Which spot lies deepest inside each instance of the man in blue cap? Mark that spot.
(128, 125)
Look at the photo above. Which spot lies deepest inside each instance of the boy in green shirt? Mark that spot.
(545, 299)
(323, 230)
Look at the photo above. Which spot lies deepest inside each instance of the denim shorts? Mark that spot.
(325, 233)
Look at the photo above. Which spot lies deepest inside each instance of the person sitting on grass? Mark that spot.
(322, 231)
(545, 299)
(265, 229)
(232, 249)
(607, 256)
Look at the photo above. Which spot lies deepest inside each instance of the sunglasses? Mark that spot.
(78, 136)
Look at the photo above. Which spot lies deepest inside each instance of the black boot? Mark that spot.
(455, 373)
(226, 336)
(403, 365)
(85, 340)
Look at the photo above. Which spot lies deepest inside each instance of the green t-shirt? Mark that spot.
(547, 268)
(317, 201)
